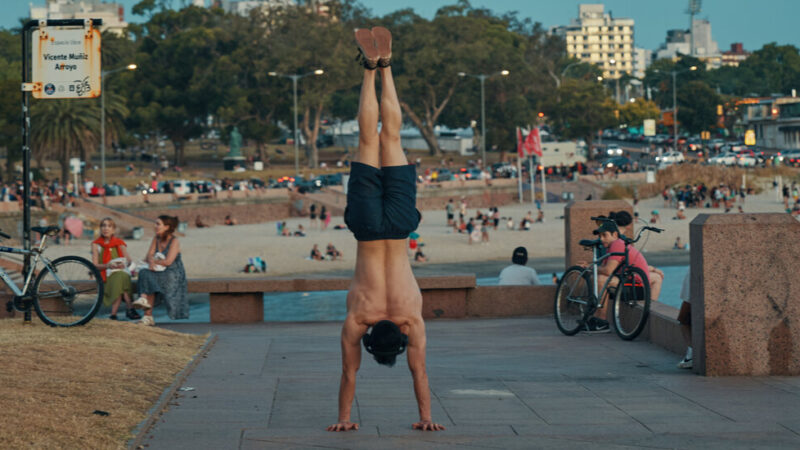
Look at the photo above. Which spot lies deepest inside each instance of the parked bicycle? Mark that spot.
(578, 298)
(65, 292)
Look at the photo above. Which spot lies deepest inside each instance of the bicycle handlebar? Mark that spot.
(638, 235)
(4, 236)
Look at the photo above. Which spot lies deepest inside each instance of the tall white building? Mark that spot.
(596, 37)
(679, 42)
(113, 14)
(642, 58)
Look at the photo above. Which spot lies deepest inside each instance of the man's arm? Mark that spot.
(351, 360)
(416, 363)
(608, 268)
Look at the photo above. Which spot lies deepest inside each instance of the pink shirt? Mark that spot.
(635, 258)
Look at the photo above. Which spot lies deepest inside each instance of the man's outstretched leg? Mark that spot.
(364, 211)
(401, 218)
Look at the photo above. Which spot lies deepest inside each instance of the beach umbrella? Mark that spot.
(74, 226)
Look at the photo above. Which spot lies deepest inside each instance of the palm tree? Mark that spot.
(62, 129)
(116, 112)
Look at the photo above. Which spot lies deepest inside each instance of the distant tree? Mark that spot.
(583, 109)
(10, 108)
(63, 129)
(772, 69)
(432, 53)
(634, 113)
(697, 110)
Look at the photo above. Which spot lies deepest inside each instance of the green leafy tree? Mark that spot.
(634, 113)
(583, 109)
(300, 42)
(10, 108)
(772, 69)
(698, 106)
(432, 53)
(63, 129)
(176, 88)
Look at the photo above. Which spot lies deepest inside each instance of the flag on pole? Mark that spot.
(520, 144)
(533, 144)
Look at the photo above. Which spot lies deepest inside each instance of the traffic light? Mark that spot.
(541, 114)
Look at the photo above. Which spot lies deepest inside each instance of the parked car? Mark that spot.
(181, 187)
(723, 159)
(748, 158)
(503, 170)
(282, 182)
(613, 150)
(694, 144)
(622, 162)
(671, 158)
(331, 179)
(443, 174)
(789, 157)
(716, 144)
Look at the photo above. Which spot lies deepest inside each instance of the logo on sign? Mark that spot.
(49, 89)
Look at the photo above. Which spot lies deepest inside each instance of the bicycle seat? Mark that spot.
(50, 231)
(590, 243)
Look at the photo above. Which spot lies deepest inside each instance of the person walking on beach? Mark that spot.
(384, 303)
(451, 211)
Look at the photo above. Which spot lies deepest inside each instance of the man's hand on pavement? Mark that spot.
(343, 426)
(427, 425)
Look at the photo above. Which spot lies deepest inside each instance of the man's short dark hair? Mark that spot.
(385, 341)
(520, 256)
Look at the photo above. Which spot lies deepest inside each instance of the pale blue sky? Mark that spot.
(752, 22)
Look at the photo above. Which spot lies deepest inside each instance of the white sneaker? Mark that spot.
(142, 303)
(686, 363)
(147, 321)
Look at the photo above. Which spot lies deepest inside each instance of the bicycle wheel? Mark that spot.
(573, 300)
(631, 303)
(68, 292)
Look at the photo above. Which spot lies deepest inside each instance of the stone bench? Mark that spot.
(237, 300)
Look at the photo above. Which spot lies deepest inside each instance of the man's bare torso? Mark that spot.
(384, 286)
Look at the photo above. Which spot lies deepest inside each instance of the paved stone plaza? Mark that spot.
(501, 383)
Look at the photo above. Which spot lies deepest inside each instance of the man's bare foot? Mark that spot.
(343, 426)
(427, 425)
(383, 42)
(366, 45)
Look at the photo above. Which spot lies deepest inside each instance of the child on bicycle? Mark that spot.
(609, 236)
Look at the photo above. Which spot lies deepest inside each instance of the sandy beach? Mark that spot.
(223, 251)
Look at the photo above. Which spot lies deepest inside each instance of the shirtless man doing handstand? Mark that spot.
(384, 303)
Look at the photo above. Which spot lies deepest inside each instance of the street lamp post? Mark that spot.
(103, 119)
(294, 79)
(483, 78)
(674, 74)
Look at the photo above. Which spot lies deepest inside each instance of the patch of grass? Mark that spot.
(618, 192)
(55, 378)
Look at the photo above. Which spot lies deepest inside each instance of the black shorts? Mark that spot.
(381, 203)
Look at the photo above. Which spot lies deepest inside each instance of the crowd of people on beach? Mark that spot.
(477, 228)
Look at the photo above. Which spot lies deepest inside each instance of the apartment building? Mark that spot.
(597, 37)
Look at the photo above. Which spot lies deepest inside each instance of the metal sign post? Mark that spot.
(54, 66)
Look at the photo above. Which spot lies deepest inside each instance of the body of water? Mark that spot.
(331, 305)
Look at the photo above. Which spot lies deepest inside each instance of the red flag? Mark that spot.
(533, 144)
(520, 143)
